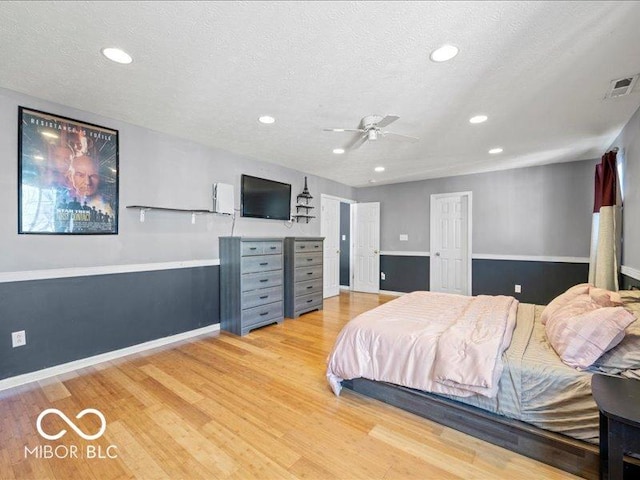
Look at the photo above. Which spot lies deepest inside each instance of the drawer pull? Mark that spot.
(309, 287)
(302, 247)
(264, 296)
(264, 280)
(272, 248)
(264, 313)
(264, 263)
(310, 300)
(253, 248)
(309, 259)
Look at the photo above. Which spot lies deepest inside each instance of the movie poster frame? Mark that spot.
(57, 122)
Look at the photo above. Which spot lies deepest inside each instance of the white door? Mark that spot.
(450, 256)
(330, 228)
(366, 247)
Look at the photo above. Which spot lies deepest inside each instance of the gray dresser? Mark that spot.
(251, 283)
(302, 275)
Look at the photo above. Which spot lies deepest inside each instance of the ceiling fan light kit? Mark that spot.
(370, 129)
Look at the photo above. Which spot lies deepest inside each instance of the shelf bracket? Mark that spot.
(193, 217)
(142, 210)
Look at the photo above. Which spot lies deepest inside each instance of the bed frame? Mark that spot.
(573, 456)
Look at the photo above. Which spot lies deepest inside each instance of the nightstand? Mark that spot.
(618, 400)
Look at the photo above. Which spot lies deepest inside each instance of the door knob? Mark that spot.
(337, 251)
(375, 251)
(437, 254)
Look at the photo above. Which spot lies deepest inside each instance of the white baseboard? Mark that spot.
(390, 292)
(103, 357)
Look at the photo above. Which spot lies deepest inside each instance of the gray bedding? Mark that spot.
(537, 388)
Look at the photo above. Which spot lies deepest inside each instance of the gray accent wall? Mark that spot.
(345, 241)
(67, 319)
(628, 143)
(543, 211)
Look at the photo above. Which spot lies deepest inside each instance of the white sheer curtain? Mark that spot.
(604, 261)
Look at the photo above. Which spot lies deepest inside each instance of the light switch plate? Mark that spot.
(404, 237)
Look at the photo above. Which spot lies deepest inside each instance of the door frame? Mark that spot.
(354, 232)
(432, 233)
(350, 202)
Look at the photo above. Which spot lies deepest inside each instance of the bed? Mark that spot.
(538, 406)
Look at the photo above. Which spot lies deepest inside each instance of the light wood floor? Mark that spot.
(223, 406)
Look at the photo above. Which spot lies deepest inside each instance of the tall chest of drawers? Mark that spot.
(303, 275)
(251, 283)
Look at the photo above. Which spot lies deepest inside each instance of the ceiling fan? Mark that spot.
(370, 128)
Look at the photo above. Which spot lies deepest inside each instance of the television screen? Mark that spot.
(262, 198)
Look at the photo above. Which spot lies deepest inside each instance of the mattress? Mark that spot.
(538, 388)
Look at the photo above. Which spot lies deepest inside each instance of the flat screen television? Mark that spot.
(262, 198)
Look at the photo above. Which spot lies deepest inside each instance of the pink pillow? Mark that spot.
(563, 299)
(605, 298)
(580, 340)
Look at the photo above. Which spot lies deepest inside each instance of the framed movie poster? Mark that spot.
(68, 176)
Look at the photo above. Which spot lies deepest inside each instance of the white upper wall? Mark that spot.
(534, 211)
(628, 143)
(155, 169)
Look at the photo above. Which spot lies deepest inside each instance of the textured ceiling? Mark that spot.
(206, 71)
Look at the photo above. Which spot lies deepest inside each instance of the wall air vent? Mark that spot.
(621, 87)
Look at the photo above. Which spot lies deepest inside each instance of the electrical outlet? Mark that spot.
(18, 338)
(518, 289)
(382, 276)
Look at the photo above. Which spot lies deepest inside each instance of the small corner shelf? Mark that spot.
(302, 202)
(193, 211)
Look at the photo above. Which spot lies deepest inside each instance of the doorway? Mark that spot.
(450, 243)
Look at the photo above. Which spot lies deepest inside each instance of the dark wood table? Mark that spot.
(618, 400)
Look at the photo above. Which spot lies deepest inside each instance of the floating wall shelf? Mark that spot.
(193, 211)
(302, 202)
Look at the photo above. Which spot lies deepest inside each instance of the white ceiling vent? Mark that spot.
(621, 87)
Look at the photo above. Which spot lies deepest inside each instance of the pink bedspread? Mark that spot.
(435, 342)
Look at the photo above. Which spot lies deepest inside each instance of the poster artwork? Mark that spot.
(68, 176)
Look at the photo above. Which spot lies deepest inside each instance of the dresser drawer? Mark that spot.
(252, 281)
(260, 248)
(261, 263)
(311, 246)
(307, 273)
(309, 302)
(261, 297)
(263, 313)
(306, 259)
(307, 288)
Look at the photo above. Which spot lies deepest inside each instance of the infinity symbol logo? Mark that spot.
(99, 414)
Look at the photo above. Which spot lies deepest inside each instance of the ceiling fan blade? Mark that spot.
(357, 142)
(387, 120)
(344, 130)
(397, 136)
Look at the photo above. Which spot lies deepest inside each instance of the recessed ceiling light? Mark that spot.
(379, 169)
(444, 53)
(493, 151)
(338, 151)
(117, 55)
(267, 119)
(478, 119)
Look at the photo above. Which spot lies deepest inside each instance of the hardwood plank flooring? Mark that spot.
(228, 407)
